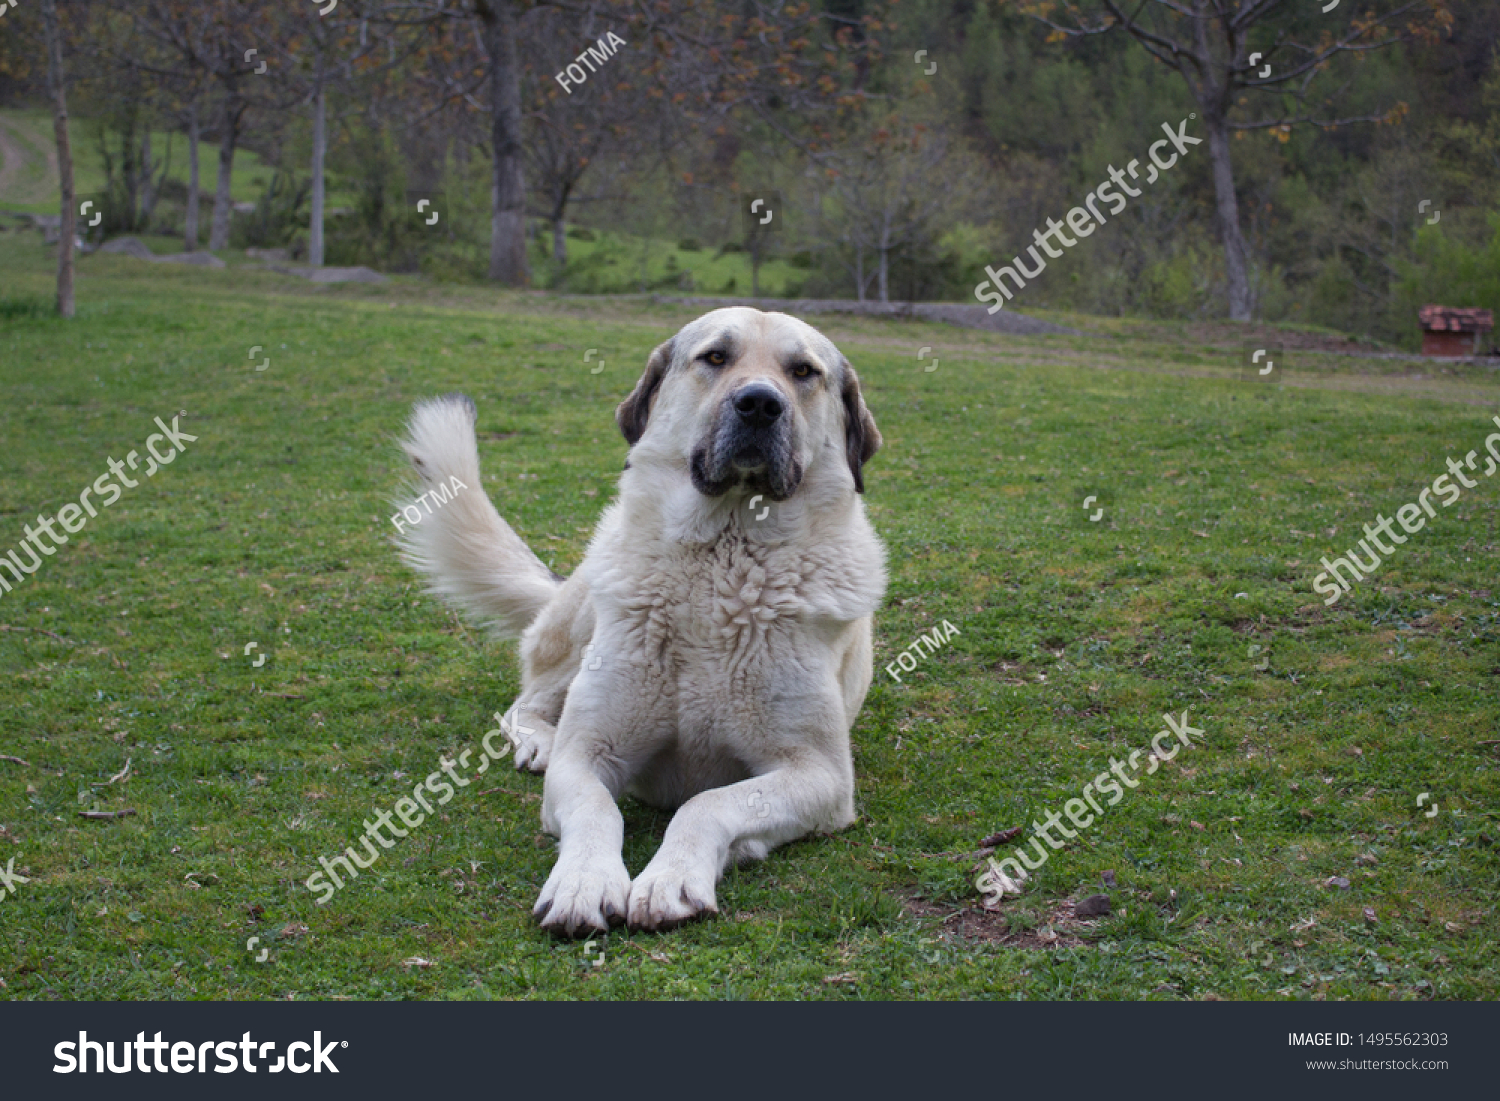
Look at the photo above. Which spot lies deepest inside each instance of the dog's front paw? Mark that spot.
(583, 896)
(671, 892)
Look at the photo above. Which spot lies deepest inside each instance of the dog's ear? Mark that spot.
(631, 413)
(861, 436)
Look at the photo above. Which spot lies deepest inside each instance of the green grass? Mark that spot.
(607, 262)
(35, 191)
(1075, 638)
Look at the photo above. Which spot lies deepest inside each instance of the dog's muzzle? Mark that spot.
(749, 444)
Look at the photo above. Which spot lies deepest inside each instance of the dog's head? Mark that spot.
(751, 399)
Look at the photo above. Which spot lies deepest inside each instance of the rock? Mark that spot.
(346, 275)
(1337, 881)
(129, 246)
(197, 259)
(1093, 906)
(1109, 877)
(331, 275)
(134, 246)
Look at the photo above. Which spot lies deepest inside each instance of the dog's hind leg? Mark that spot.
(553, 649)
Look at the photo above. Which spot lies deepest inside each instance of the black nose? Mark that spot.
(758, 405)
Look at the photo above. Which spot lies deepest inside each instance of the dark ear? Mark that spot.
(861, 435)
(631, 413)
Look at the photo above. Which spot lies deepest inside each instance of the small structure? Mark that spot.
(1453, 332)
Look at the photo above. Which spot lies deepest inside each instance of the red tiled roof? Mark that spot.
(1440, 319)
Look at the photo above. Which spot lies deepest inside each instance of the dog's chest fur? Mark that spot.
(718, 602)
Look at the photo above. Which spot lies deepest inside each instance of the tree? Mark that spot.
(57, 88)
(570, 130)
(212, 40)
(703, 62)
(322, 52)
(497, 19)
(884, 182)
(1209, 44)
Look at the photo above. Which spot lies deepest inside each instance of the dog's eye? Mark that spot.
(716, 359)
(802, 370)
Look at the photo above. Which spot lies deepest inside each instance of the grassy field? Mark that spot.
(32, 186)
(1321, 725)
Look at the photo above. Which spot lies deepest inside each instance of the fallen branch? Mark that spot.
(995, 840)
(37, 630)
(16, 761)
(99, 815)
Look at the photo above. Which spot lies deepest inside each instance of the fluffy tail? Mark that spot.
(458, 542)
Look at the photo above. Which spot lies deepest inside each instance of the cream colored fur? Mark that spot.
(700, 658)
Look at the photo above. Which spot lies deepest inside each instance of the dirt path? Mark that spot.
(17, 167)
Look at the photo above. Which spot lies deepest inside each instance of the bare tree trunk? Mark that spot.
(69, 227)
(560, 241)
(155, 180)
(143, 212)
(885, 273)
(1227, 207)
(218, 234)
(130, 170)
(508, 189)
(319, 151)
(190, 235)
(859, 272)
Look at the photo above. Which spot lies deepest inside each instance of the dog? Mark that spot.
(712, 650)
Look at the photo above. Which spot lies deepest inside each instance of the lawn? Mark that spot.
(1321, 725)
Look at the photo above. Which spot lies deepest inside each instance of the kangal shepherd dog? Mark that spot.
(714, 647)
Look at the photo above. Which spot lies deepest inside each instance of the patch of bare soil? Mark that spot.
(1236, 334)
(974, 923)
